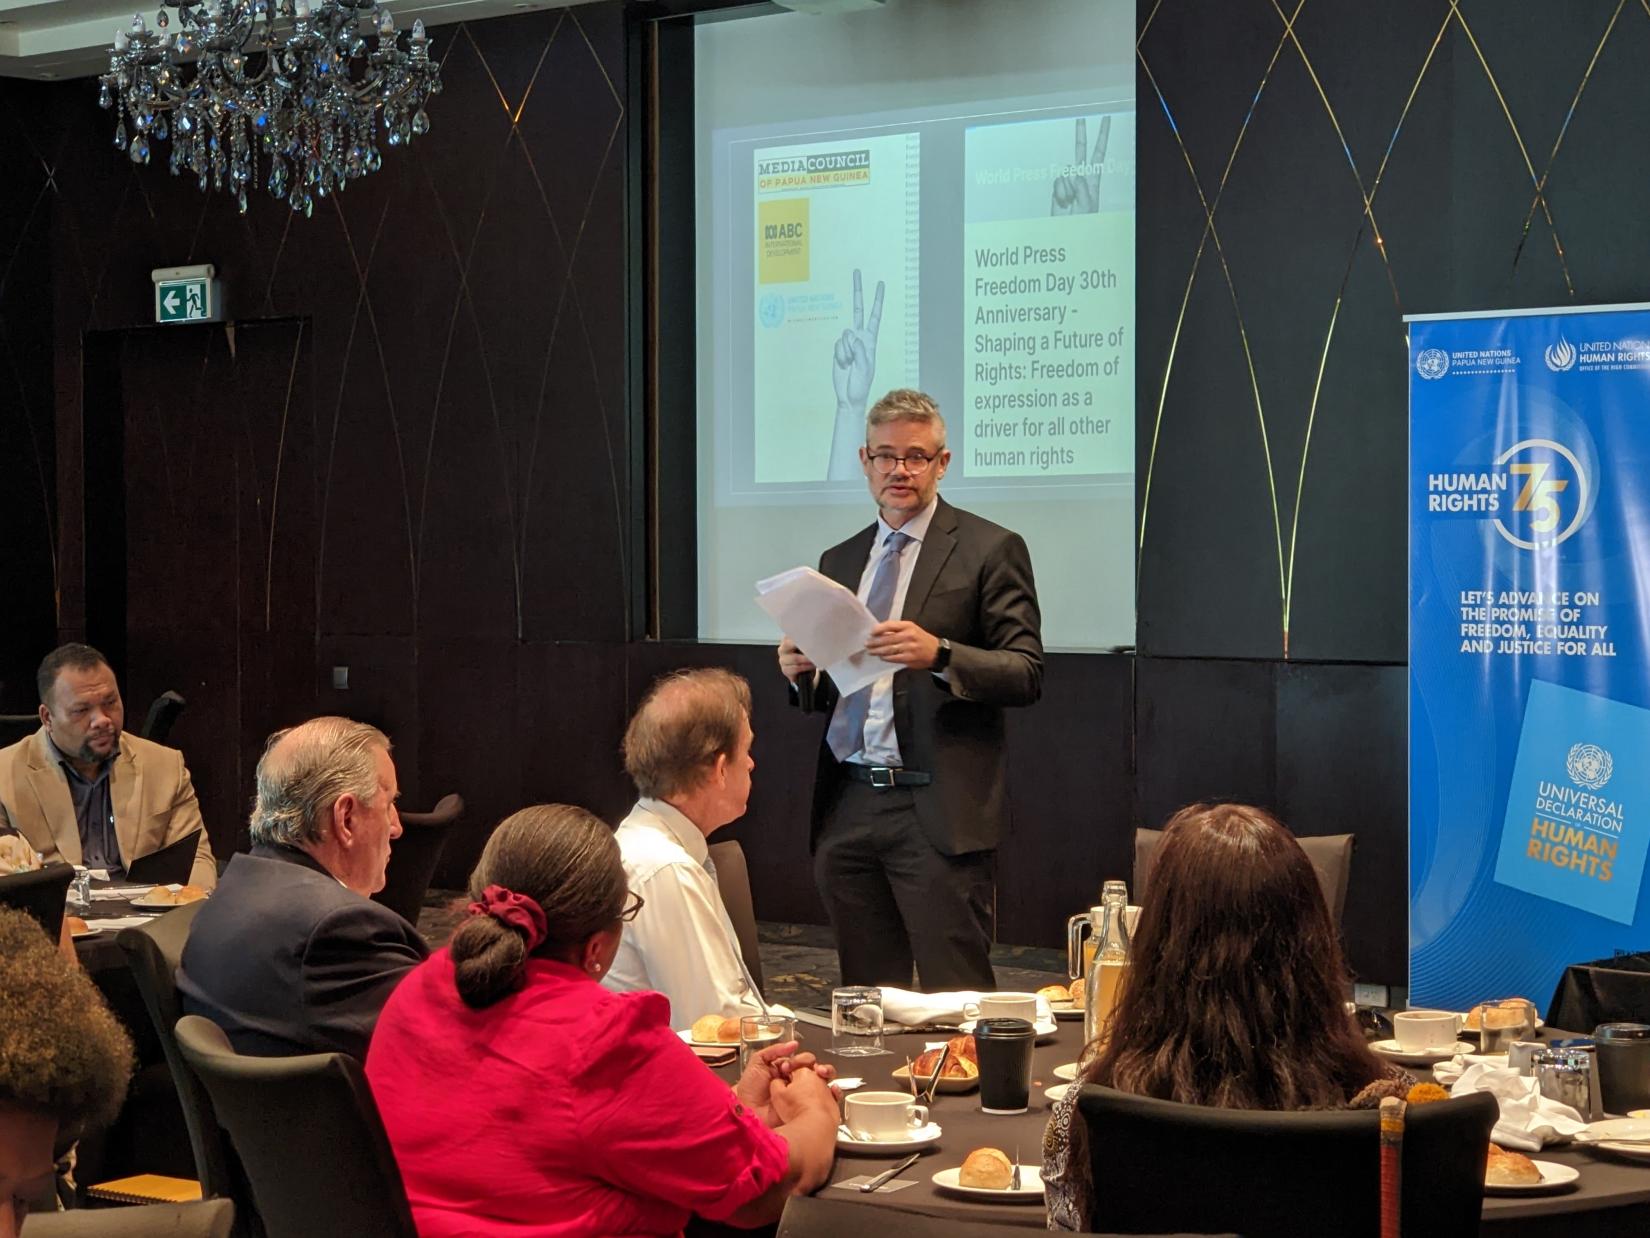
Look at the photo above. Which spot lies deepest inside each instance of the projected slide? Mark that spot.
(1048, 295)
(836, 296)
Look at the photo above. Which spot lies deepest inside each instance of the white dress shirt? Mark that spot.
(682, 944)
(881, 746)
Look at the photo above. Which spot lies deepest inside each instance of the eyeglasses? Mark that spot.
(915, 463)
(633, 910)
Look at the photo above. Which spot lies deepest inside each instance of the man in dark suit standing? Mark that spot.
(911, 795)
(291, 955)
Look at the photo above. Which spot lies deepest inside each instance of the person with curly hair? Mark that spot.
(64, 1062)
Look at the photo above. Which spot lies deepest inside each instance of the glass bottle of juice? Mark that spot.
(1111, 962)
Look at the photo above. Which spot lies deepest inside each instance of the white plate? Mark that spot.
(1390, 1050)
(1031, 1185)
(84, 934)
(1066, 1010)
(1553, 1176)
(1057, 1092)
(920, 1137)
(687, 1037)
(1625, 1128)
(1066, 1071)
(950, 1087)
(147, 905)
(1041, 1030)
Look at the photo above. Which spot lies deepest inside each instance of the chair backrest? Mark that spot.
(1278, 1175)
(42, 892)
(308, 1133)
(1331, 856)
(415, 854)
(163, 712)
(153, 952)
(210, 1218)
(733, 882)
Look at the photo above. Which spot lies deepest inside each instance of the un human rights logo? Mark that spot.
(1432, 363)
(1560, 356)
(1589, 766)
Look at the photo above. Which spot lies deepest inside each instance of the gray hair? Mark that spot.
(907, 404)
(303, 772)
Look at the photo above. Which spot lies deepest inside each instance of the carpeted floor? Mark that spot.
(798, 960)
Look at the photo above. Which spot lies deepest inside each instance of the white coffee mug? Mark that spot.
(1424, 1031)
(883, 1117)
(1003, 1006)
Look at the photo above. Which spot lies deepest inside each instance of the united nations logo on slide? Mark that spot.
(1560, 356)
(772, 309)
(1432, 363)
(1553, 495)
(1589, 766)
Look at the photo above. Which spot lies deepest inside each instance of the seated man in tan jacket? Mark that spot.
(81, 790)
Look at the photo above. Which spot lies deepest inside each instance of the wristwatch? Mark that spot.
(942, 659)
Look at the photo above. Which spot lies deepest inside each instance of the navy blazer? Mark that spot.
(972, 585)
(288, 961)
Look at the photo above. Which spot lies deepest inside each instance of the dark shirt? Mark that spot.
(94, 814)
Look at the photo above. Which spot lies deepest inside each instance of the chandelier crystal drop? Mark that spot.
(299, 81)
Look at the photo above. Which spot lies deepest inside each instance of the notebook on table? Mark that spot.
(147, 1189)
(171, 865)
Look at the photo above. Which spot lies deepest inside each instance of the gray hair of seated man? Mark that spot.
(304, 771)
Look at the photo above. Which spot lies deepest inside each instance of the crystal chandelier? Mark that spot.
(301, 81)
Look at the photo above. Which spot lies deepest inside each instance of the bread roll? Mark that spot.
(956, 1065)
(75, 925)
(986, 1168)
(1498, 1018)
(1055, 994)
(1510, 1169)
(727, 1031)
(1077, 992)
(705, 1029)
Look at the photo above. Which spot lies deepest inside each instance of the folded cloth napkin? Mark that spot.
(913, 1009)
(1528, 1121)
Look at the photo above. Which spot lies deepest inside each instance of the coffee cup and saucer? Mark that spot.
(1423, 1038)
(879, 1123)
(1006, 1006)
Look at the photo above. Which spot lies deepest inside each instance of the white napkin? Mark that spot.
(118, 894)
(912, 1008)
(1529, 1121)
(113, 924)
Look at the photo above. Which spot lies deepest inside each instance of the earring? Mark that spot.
(595, 969)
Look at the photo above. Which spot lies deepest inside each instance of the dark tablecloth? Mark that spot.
(1612, 1196)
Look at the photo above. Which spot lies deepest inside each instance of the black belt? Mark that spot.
(882, 778)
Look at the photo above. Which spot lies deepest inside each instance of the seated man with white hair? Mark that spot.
(292, 955)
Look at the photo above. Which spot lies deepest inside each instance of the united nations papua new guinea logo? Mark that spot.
(1432, 363)
(1589, 766)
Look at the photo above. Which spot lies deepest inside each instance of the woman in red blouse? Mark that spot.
(523, 1098)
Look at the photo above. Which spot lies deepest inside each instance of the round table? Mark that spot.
(1611, 1198)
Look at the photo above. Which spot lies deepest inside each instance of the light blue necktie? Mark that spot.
(846, 735)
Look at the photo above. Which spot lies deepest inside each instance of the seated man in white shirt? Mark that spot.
(688, 750)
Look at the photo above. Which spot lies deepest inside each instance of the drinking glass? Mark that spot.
(758, 1031)
(856, 1021)
(82, 888)
(1503, 1023)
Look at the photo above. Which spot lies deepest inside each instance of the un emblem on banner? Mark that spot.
(1432, 363)
(1560, 356)
(1589, 766)
(1553, 499)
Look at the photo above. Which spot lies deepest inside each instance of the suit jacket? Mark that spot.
(287, 961)
(154, 802)
(972, 584)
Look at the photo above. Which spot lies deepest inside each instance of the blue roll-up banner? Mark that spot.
(1529, 687)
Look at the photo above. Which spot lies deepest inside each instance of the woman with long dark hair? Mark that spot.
(1235, 996)
(522, 1097)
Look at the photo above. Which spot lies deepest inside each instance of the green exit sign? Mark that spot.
(186, 294)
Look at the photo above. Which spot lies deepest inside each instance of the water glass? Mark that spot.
(856, 1021)
(81, 896)
(1502, 1024)
(1566, 1075)
(758, 1031)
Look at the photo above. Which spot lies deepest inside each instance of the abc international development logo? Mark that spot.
(1432, 363)
(1560, 356)
(1589, 766)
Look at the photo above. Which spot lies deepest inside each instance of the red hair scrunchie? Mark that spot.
(516, 910)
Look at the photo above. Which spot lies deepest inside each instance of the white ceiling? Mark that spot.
(71, 38)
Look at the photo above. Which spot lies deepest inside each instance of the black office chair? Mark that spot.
(153, 952)
(415, 854)
(42, 892)
(337, 1174)
(1331, 856)
(14, 727)
(809, 1216)
(733, 883)
(211, 1218)
(1280, 1175)
(163, 712)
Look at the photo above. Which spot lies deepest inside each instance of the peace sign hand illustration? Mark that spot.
(854, 359)
(1080, 194)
